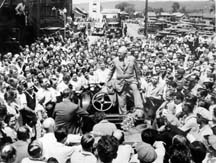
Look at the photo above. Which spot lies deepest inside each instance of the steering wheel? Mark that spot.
(101, 102)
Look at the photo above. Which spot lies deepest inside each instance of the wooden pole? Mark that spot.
(146, 19)
(38, 17)
(72, 14)
(69, 7)
(215, 14)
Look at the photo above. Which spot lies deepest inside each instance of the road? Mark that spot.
(133, 30)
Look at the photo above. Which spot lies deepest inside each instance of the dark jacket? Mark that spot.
(66, 113)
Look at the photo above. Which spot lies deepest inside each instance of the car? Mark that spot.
(205, 39)
(99, 29)
(114, 29)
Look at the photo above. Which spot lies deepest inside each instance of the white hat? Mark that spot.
(204, 113)
(123, 49)
(49, 122)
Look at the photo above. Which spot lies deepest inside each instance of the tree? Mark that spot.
(183, 10)
(129, 10)
(124, 5)
(158, 10)
(175, 7)
(127, 7)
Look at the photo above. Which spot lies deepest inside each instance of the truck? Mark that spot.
(114, 24)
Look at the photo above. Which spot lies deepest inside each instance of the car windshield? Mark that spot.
(113, 25)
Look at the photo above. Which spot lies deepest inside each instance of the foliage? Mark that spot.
(125, 6)
(128, 122)
(175, 7)
(158, 10)
(183, 10)
(212, 8)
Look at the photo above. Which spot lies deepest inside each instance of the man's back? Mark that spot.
(61, 152)
(47, 141)
(104, 127)
(125, 153)
(81, 156)
(64, 113)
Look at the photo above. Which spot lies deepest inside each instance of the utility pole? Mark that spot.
(38, 17)
(70, 4)
(215, 14)
(146, 19)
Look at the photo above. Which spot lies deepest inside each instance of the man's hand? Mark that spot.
(162, 128)
(124, 76)
(41, 101)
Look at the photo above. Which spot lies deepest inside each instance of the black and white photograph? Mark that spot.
(107, 81)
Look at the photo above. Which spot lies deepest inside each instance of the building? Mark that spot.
(205, 18)
(110, 13)
(152, 16)
(95, 9)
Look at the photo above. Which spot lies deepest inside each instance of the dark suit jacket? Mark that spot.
(125, 73)
(65, 114)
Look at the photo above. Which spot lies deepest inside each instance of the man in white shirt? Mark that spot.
(46, 93)
(125, 151)
(178, 100)
(20, 13)
(203, 118)
(85, 154)
(76, 83)
(92, 76)
(64, 83)
(102, 73)
(60, 151)
(48, 138)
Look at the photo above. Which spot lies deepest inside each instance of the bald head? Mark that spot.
(122, 52)
(49, 125)
(119, 135)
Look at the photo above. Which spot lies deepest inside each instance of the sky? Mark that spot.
(84, 1)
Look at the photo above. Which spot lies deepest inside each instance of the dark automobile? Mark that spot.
(99, 29)
(114, 29)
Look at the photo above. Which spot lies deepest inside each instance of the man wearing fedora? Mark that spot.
(126, 79)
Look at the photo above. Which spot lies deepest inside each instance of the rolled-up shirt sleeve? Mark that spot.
(23, 100)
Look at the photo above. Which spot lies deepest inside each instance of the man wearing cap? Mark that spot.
(203, 118)
(126, 77)
(145, 153)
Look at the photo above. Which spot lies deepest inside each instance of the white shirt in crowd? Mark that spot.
(125, 153)
(102, 75)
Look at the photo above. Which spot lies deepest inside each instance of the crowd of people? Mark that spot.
(173, 92)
